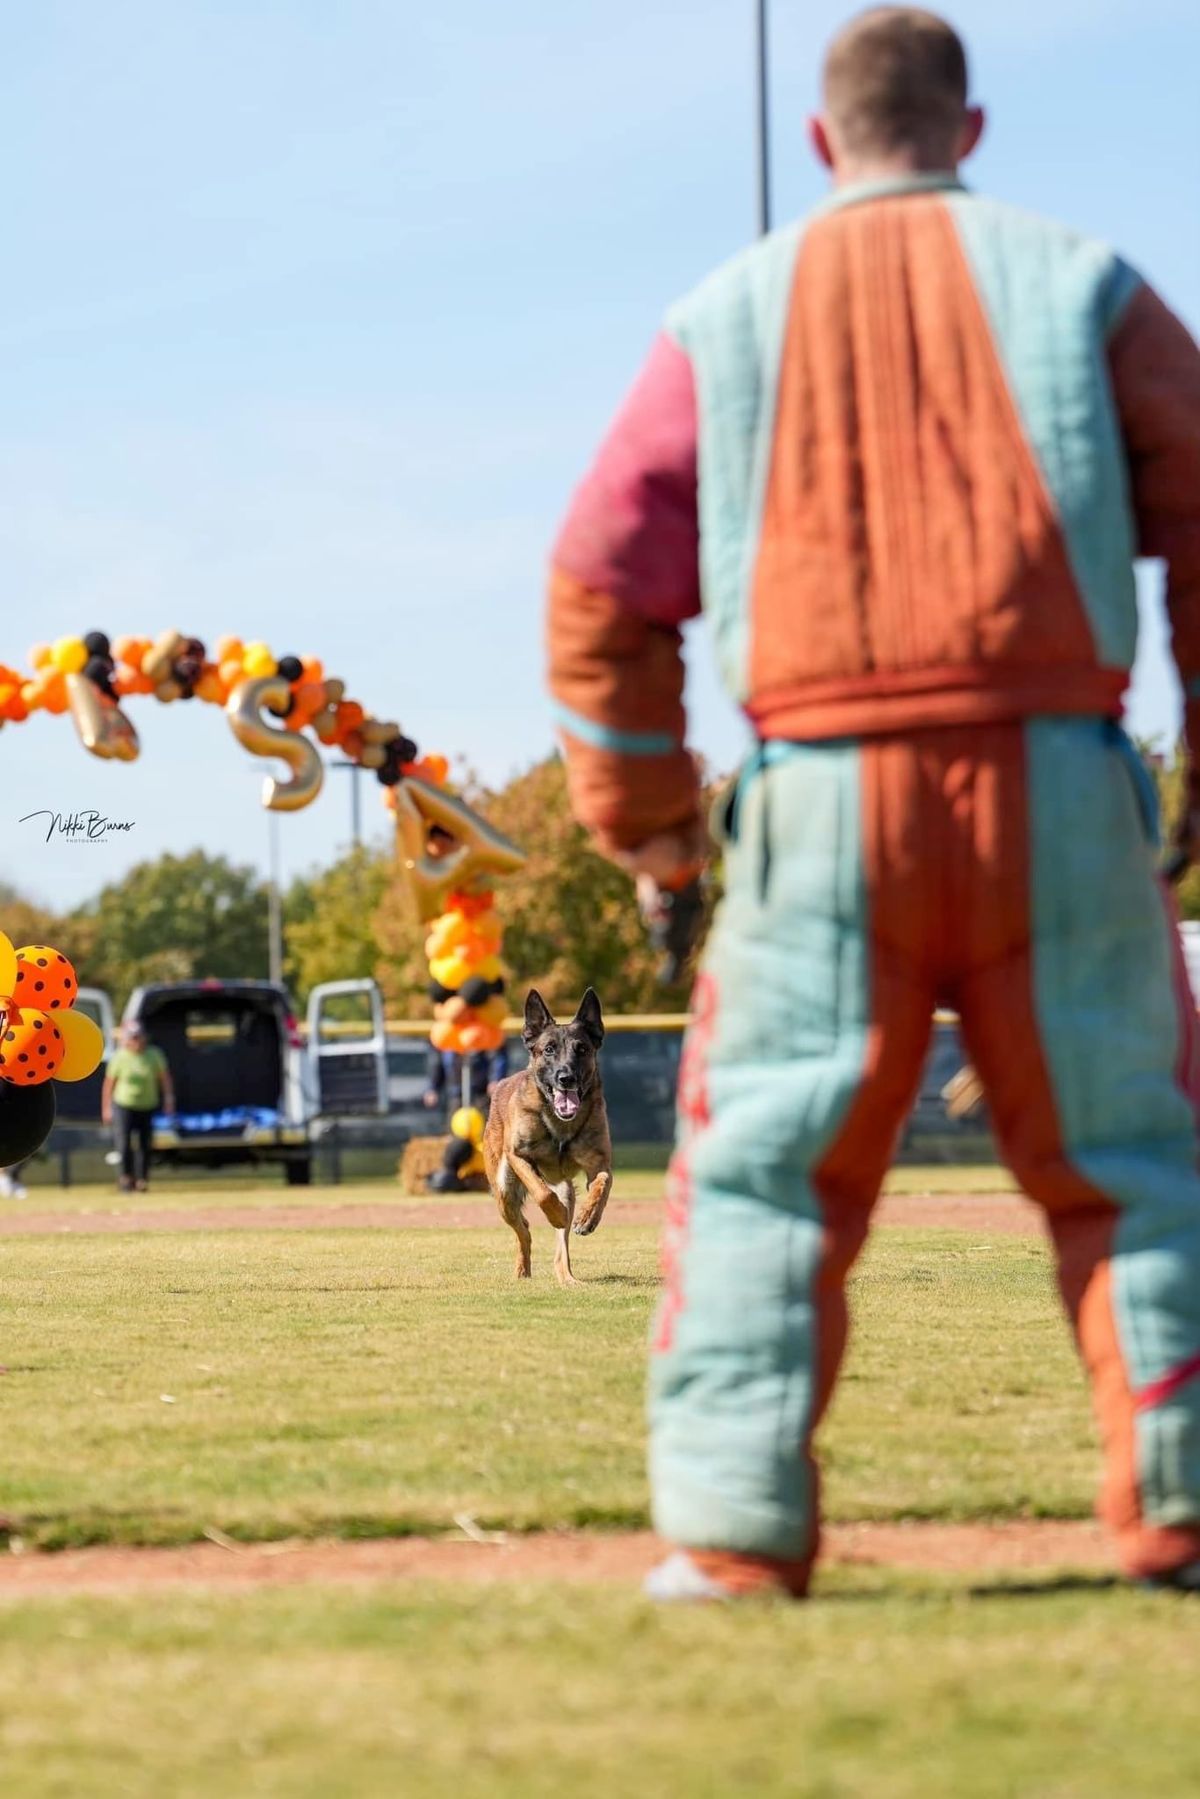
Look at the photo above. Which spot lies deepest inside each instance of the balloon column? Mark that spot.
(41, 1040)
(453, 858)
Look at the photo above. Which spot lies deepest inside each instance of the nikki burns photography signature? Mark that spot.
(78, 827)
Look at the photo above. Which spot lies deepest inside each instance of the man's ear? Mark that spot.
(973, 129)
(818, 137)
(538, 1017)
(589, 1016)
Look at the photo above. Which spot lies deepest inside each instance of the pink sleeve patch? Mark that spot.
(632, 529)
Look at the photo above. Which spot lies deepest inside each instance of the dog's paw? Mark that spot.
(586, 1222)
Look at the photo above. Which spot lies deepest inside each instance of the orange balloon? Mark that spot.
(39, 656)
(230, 670)
(210, 687)
(351, 741)
(314, 668)
(55, 699)
(31, 1049)
(45, 978)
(229, 649)
(310, 696)
(443, 1035)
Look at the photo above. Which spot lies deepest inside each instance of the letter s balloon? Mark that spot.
(244, 710)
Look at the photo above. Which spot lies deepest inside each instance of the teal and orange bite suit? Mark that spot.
(903, 456)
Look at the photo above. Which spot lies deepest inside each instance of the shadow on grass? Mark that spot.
(619, 1280)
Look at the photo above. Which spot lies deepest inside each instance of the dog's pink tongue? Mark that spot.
(566, 1104)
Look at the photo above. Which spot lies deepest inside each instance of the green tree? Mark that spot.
(177, 918)
(571, 918)
(329, 929)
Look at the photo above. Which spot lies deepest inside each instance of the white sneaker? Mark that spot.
(7, 1186)
(678, 1581)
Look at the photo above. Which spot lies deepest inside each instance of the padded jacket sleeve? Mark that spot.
(624, 578)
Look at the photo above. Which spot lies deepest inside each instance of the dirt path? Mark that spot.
(1034, 1547)
(993, 1214)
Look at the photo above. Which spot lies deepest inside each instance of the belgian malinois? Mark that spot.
(548, 1124)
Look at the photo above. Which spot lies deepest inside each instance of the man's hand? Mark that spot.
(1184, 850)
(429, 1100)
(670, 860)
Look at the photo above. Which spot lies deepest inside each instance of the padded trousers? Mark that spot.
(1009, 872)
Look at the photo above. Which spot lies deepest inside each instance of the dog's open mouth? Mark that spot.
(565, 1104)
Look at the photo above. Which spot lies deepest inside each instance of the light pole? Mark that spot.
(355, 802)
(763, 117)
(274, 904)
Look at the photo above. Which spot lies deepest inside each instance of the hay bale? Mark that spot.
(422, 1155)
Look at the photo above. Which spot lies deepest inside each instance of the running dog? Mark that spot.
(548, 1124)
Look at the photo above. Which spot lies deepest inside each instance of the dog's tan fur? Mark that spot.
(528, 1151)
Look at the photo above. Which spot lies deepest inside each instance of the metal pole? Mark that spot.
(356, 807)
(274, 905)
(763, 112)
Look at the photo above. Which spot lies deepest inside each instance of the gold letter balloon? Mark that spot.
(244, 709)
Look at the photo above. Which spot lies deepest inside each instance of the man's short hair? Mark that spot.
(896, 78)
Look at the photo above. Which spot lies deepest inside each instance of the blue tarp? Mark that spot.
(229, 1119)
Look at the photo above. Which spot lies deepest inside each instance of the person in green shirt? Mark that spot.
(137, 1084)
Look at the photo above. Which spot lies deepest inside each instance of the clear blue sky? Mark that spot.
(312, 313)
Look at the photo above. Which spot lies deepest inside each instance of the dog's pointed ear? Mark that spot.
(538, 1017)
(590, 1018)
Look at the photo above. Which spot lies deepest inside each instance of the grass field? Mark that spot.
(383, 1381)
(326, 1382)
(879, 1690)
(250, 1189)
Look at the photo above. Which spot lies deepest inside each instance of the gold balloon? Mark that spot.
(244, 712)
(85, 1046)
(102, 726)
(160, 658)
(478, 849)
(378, 730)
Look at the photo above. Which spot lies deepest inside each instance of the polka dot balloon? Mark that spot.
(32, 1048)
(45, 979)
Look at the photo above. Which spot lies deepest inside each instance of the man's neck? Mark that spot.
(892, 168)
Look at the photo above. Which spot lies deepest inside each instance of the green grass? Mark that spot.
(877, 1687)
(177, 1193)
(370, 1382)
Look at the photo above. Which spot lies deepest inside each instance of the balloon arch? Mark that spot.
(284, 707)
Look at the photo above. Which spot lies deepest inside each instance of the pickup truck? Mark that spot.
(251, 1086)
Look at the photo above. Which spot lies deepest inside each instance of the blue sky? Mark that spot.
(312, 314)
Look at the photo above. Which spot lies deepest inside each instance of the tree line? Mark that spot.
(570, 918)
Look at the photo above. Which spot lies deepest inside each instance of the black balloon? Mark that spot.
(388, 776)
(438, 994)
(97, 644)
(403, 748)
(26, 1118)
(290, 667)
(98, 669)
(475, 990)
(194, 646)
